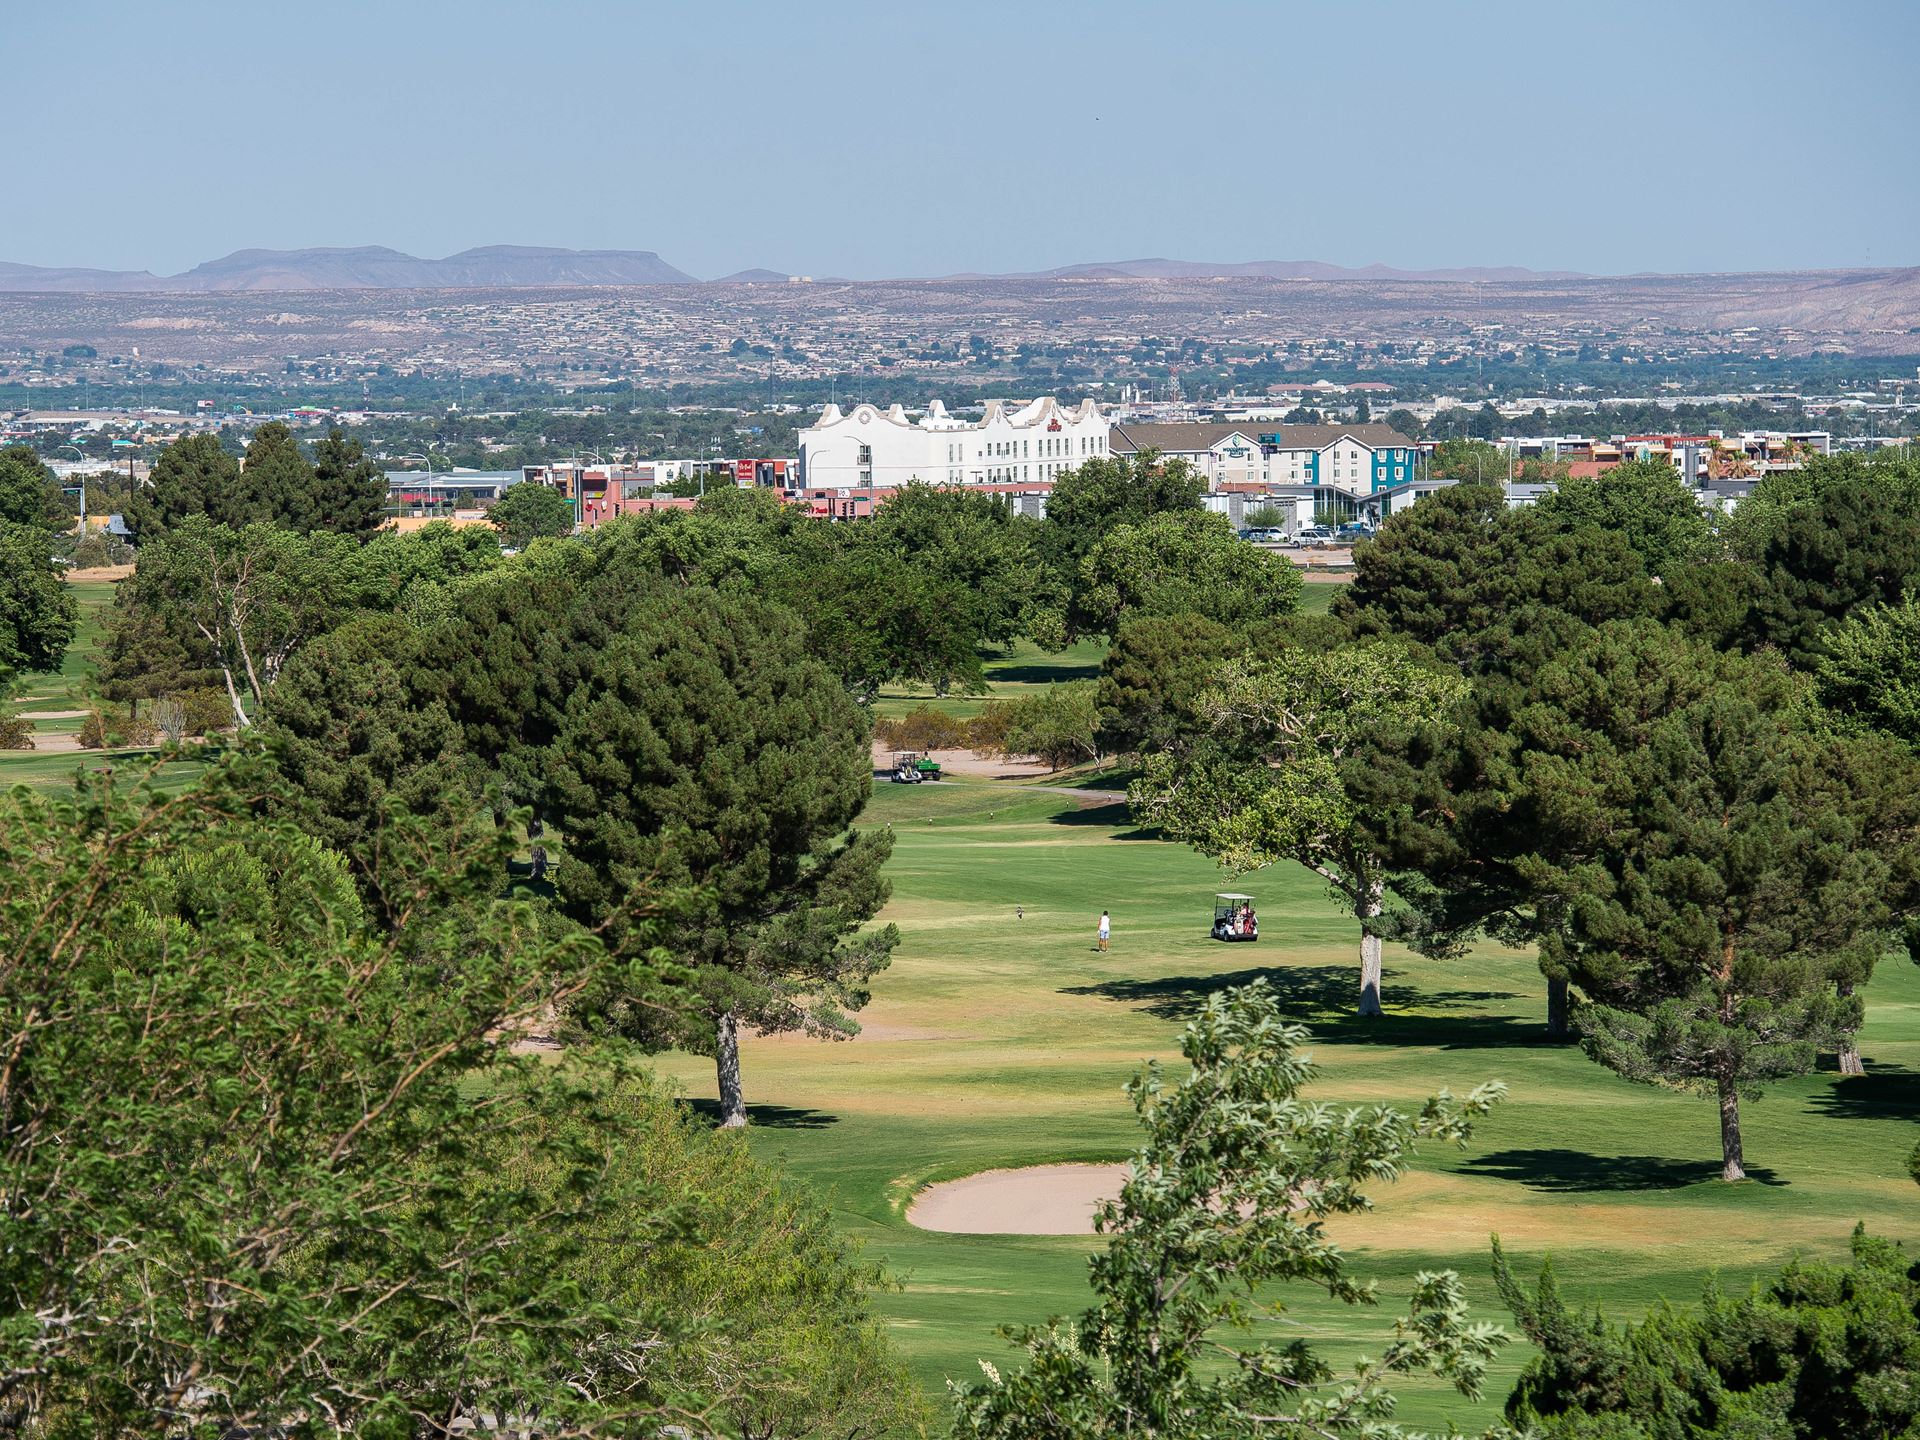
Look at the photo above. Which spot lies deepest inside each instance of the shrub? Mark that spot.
(922, 728)
(169, 717)
(89, 552)
(16, 731)
(987, 731)
(208, 710)
(109, 727)
(1058, 726)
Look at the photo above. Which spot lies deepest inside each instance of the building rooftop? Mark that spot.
(1034, 412)
(1177, 438)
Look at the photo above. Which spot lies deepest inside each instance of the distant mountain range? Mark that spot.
(1274, 270)
(375, 267)
(368, 267)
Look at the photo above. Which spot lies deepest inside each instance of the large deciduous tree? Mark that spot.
(1104, 492)
(1227, 1197)
(707, 752)
(38, 614)
(29, 493)
(1181, 564)
(272, 1168)
(527, 512)
(883, 599)
(976, 554)
(251, 596)
(1285, 767)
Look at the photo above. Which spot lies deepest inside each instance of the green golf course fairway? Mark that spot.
(995, 1041)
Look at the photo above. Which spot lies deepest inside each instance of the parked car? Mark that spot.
(1355, 530)
(1314, 537)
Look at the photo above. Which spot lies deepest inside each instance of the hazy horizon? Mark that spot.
(1651, 138)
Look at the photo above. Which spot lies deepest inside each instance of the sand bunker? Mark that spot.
(1037, 1200)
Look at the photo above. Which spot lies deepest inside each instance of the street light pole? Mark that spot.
(81, 476)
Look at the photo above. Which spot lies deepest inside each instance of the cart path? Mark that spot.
(1092, 797)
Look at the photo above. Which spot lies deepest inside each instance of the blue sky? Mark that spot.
(866, 139)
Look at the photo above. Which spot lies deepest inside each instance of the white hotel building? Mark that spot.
(868, 448)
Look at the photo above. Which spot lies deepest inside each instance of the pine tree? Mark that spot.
(277, 481)
(193, 476)
(349, 490)
(1722, 874)
(707, 752)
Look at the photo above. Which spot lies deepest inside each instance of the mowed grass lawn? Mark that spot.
(996, 1041)
(71, 688)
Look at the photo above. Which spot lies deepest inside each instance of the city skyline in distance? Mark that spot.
(1634, 138)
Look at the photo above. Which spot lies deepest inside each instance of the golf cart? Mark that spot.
(1233, 918)
(910, 767)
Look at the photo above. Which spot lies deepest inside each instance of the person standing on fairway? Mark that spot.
(1105, 932)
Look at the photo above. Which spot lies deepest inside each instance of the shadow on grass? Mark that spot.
(1572, 1172)
(1041, 674)
(1323, 997)
(1113, 814)
(768, 1117)
(1881, 1094)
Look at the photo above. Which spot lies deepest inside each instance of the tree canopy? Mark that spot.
(194, 475)
(528, 511)
(29, 493)
(1646, 504)
(38, 613)
(1181, 563)
(707, 752)
(1820, 1351)
(1105, 492)
(1285, 769)
(1725, 874)
(1482, 584)
(283, 1169)
(1225, 1198)
(339, 490)
(1152, 678)
(356, 725)
(1850, 546)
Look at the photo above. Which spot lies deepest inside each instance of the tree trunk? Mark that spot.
(1850, 1061)
(726, 1064)
(1732, 1158)
(1557, 1007)
(233, 694)
(1367, 908)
